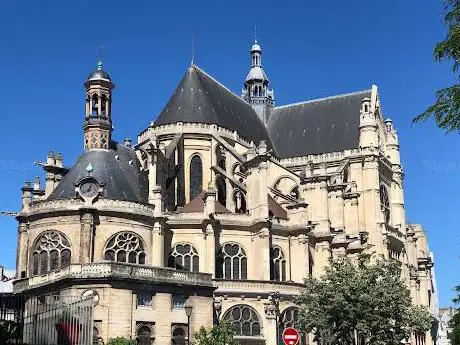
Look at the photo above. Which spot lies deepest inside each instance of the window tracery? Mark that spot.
(385, 204)
(245, 320)
(290, 318)
(184, 257)
(126, 247)
(278, 264)
(50, 252)
(232, 262)
(196, 176)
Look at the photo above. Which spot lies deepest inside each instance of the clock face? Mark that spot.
(89, 189)
(93, 294)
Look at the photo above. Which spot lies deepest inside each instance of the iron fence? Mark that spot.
(46, 320)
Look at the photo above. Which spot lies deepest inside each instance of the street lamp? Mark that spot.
(188, 311)
(275, 298)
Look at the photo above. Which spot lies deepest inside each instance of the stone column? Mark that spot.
(351, 214)
(261, 255)
(208, 264)
(336, 207)
(22, 250)
(202, 313)
(86, 236)
(163, 318)
(397, 201)
(373, 215)
(322, 255)
(270, 323)
(158, 245)
(299, 265)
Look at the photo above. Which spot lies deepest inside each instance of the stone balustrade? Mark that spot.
(256, 287)
(114, 270)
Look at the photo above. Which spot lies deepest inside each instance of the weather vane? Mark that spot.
(100, 53)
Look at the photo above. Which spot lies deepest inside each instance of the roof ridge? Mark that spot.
(220, 84)
(323, 99)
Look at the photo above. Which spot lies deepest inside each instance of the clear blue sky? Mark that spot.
(311, 49)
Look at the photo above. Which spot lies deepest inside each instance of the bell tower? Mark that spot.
(255, 90)
(98, 120)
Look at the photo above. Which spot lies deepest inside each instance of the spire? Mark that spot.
(255, 90)
(98, 120)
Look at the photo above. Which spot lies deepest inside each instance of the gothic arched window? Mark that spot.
(277, 264)
(196, 176)
(221, 191)
(179, 335)
(232, 262)
(94, 105)
(385, 203)
(50, 252)
(290, 318)
(144, 335)
(184, 257)
(245, 320)
(126, 247)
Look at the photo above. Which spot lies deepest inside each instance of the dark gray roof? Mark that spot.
(99, 74)
(317, 126)
(199, 98)
(123, 181)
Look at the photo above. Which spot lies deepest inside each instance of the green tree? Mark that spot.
(121, 341)
(454, 323)
(221, 334)
(446, 109)
(360, 299)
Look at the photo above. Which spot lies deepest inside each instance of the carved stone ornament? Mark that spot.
(88, 188)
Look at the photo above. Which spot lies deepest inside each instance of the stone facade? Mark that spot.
(227, 225)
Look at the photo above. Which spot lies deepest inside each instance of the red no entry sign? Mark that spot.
(291, 336)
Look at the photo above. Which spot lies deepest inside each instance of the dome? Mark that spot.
(255, 48)
(99, 74)
(119, 170)
(256, 73)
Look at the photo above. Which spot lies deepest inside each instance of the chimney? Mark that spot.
(37, 183)
(50, 159)
(59, 160)
(128, 142)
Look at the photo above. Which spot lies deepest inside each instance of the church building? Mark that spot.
(219, 211)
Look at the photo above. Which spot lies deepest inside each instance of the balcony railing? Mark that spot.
(257, 287)
(116, 271)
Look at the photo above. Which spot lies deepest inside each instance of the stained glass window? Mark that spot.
(51, 251)
(196, 176)
(232, 262)
(184, 257)
(244, 319)
(290, 318)
(277, 264)
(125, 247)
(385, 203)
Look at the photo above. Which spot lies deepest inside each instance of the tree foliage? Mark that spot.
(360, 299)
(121, 341)
(446, 109)
(221, 334)
(454, 323)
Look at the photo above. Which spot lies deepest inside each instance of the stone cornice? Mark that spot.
(254, 288)
(70, 206)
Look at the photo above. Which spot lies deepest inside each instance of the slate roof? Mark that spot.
(197, 205)
(317, 126)
(199, 98)
(123, 180)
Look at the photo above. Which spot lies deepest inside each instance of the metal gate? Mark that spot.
(46, 320)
